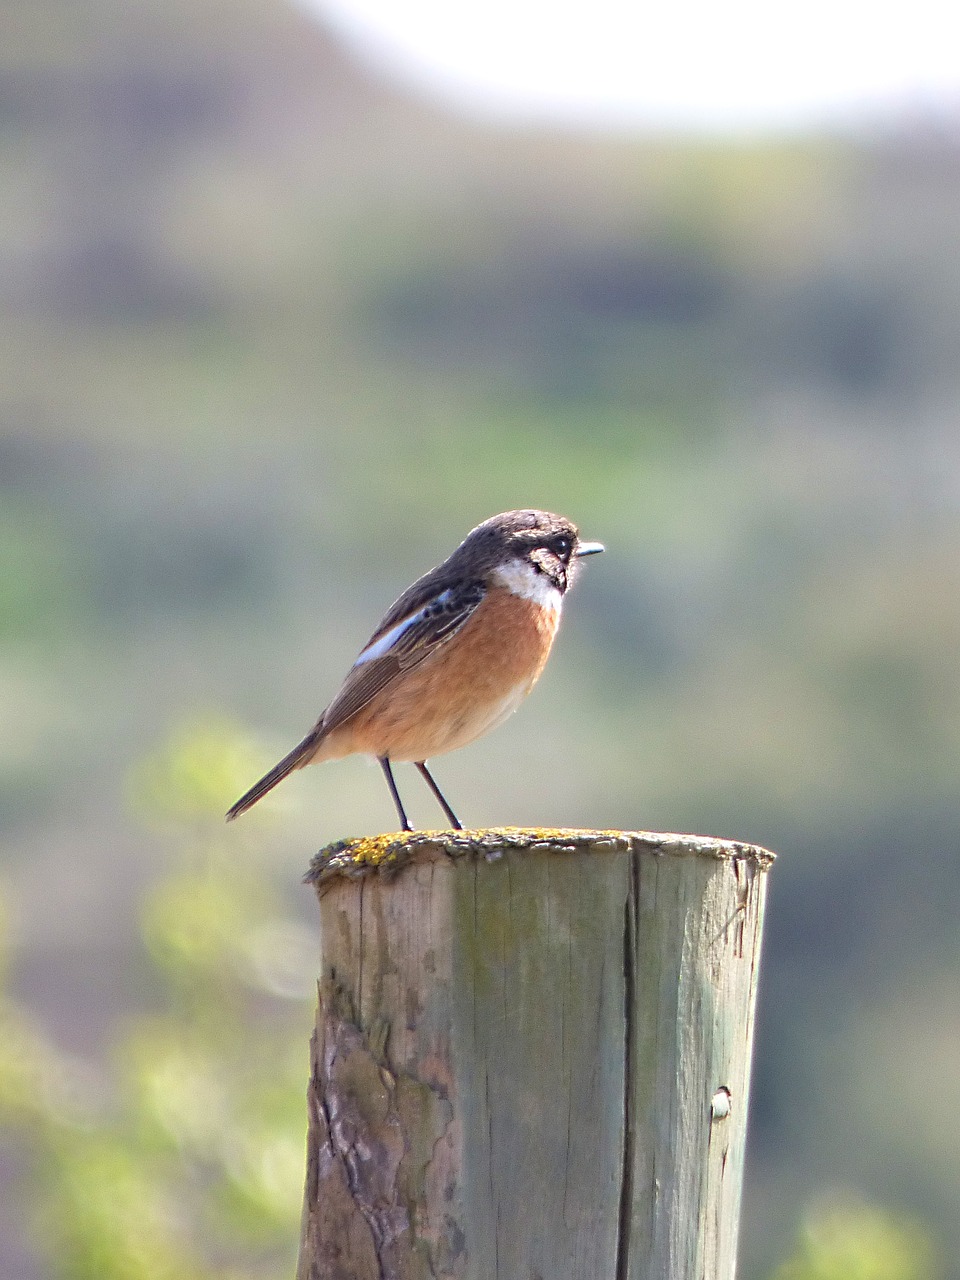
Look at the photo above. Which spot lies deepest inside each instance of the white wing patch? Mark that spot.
(383, 644)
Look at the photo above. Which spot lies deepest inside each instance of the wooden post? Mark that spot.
(532, 1056)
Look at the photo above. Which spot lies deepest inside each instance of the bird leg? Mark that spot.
(388, 774)
(454, 820)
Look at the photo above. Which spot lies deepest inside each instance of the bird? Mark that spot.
(452, 658)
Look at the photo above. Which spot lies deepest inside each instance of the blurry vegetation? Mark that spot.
(186, 1160)
(276, 336)
(851, 1241)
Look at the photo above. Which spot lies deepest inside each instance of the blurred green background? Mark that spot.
(276, 335)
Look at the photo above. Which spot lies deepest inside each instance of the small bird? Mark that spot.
(453, 657)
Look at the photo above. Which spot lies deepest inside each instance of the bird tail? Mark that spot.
(301, 754)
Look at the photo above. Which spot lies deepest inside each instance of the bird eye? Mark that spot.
(562, 546)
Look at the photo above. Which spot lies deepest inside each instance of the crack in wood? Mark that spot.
(373, 1135)
(630, 909)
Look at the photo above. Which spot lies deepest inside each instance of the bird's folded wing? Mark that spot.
(400, 647)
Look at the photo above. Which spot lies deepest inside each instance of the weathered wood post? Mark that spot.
(532, 1056)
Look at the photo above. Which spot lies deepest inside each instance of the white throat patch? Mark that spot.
(520, 577)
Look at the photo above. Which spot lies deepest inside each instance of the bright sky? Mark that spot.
(691, 64)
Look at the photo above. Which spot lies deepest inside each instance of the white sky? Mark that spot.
(689, 64)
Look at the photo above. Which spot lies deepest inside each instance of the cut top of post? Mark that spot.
(389, 852)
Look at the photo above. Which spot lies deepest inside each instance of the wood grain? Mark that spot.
(532, 1056)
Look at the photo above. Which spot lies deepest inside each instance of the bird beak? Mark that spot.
(587, 549)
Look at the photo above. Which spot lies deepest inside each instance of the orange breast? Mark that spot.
(462, 691)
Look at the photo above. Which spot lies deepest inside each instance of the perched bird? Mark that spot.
(453, 657)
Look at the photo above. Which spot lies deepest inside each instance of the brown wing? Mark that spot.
(417, 634)
(430, 586)
(425, 617)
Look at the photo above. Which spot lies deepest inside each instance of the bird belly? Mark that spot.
(467, 687)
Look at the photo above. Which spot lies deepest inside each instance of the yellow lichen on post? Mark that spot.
(358, 855)
(531, 1018)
